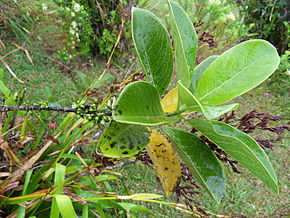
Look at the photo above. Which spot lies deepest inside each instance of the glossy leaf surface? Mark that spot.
(139, 103)
(236, 71)
(199, 70)
(210, 112)
(170, 101)
(165, 161)
(241, 147)
(185, 42)
(122, 140)
(201, 161)
(153, 46)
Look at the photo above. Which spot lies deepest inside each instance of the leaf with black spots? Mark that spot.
(165, 160)
(122, 140)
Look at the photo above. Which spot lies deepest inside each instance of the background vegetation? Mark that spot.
(52, 51)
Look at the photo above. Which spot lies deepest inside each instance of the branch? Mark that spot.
(49, 108)
(98, 171)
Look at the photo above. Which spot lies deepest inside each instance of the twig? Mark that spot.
(49, 108)
(118, 165)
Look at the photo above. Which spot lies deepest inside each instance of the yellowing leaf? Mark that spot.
(165, 160)
(170, 102)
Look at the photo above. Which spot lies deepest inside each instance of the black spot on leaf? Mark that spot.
(122, 147)
(112, 145)
(125, 152)
(131, 145)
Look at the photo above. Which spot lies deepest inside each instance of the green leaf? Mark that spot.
(153, 46)
(199, 70)
(201, 161)
(237, 71)
(4, 89)
(241, 147)
(85, 213)
(59, 177)
(210, 112)
(185, 42)
(139, 103)
(123, 140)
(65, 206)
(58, 180)
(135, 207)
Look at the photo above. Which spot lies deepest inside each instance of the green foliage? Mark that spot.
(185, 42)
(231, 74)
(139, 103)
(234, 72)
(77, 25)
(92, 26)
(153, 46)
(201, 160)
(269, 20)
(15, 18)
(217, 22)
(241, 147)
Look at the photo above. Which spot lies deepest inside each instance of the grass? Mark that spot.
(47, 79)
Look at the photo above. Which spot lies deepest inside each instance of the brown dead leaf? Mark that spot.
(11, 72)
(16, 175)
(9, 187)
(11, 155)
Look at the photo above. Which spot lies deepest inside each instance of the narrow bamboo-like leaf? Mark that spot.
(85, 213)
(236, 71)
(59, 177)
(199, 70)
(123, 140)
(135, 207)
(210, 112)
(153, 46)
(54, 211)
(170, 101)
(58, 180)
(65, 206)
(165, 161)
(139, 103)
(201, 161)
(241, 147)
(185, 42)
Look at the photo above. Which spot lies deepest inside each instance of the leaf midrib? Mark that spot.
(218, 87)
